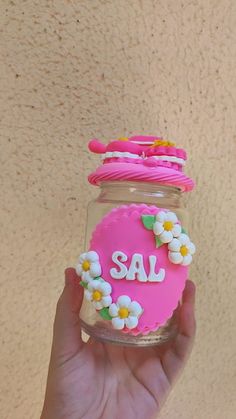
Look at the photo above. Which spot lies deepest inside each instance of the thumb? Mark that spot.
(67, 340)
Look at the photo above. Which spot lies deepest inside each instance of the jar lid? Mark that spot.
(141, 158)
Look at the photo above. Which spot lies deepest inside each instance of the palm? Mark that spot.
(96, 380)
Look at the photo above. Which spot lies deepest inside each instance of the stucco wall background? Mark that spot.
(72, 70)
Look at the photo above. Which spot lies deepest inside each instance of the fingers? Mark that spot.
(175, 357)
(187, 318)
(67, 332)
(187, 324)
(189, 292)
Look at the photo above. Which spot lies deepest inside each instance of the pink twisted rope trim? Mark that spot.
(141, 173)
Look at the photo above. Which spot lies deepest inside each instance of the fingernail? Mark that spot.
(70, 276)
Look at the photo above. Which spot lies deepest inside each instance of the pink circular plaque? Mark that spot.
(159, 289)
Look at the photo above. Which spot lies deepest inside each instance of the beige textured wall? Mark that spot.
(71, 70)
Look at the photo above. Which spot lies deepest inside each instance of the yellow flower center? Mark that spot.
(123, 139)
(123, 312)
(184, 250)
(97, 295)
(168, 225)
(86, 265)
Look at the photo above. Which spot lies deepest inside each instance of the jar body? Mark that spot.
(113, 195)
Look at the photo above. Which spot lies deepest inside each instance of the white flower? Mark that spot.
(166, 226)
(98, 292)
(181, 250)
(88, 266)
(125, 313)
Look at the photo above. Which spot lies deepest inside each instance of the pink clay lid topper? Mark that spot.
(141, 158)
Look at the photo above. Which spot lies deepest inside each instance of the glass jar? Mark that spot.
(114, 194)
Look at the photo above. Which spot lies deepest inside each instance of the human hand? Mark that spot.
(99, 380)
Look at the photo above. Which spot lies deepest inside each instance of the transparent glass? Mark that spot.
(112, 195)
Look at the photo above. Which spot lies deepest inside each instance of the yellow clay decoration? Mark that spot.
(86, 265)
(165, 143)
(123, 313)
(183, 250)
(97, 295)
(168, 225)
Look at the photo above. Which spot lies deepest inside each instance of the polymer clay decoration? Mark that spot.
(88, 266)
(125, 313)
(141, 158)
(135, 270)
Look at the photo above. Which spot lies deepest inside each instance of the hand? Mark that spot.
(98, 380)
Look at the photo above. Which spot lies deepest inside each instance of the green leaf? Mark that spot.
(183, 231)
(158, 242)
(84, 284)
(104, 313)
(148, 221)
